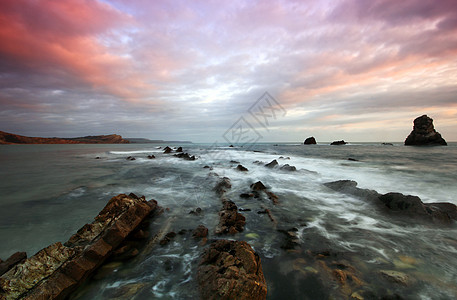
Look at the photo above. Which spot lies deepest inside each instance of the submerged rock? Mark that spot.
(222, 186)
(200, 232)
(151, 156)
(424, 133)
(231, 270)
(310, 141)
(342, 142)
(288, 167)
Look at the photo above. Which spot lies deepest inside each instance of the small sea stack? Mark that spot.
(310, 141)
(342, 142)
(424, 133)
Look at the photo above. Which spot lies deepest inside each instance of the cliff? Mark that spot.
(10, 138)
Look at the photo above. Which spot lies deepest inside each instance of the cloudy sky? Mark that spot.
(351, 69)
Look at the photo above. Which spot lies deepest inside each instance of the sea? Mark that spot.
(49, 191)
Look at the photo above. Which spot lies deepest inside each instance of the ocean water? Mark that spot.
(50, 191)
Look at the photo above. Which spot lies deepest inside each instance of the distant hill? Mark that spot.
(10, 138)
(148, 141)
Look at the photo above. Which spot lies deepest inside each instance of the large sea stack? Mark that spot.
(424, 133)
(310, 141)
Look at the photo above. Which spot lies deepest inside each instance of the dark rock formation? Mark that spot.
(131, 158)
(272, 164)
(290, 240)
(258, 186)
(185, 156)
(167, 238)
(151, 156)
(230, 220)
(179, 149)
(231, 270)
(310, 141)
(13, 260)
(288, 167)
(342, 142)
(424, 133)
(200, 232)
(55, 271)
(222, 186)
(405, 205)
(167, 150)
(242, 168)
(10, 138)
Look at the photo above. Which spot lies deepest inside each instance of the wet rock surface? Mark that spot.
(424, 133)
(241, 168)
(13, 260)
(230, 220)
(402, 205)
(55, 271)
(231, 270)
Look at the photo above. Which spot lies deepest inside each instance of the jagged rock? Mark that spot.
(231, 270)
(222, 186)
(179, 149)
(230, 220)
(258, 186)
(151, 156)
(310, 141)
(242, 168)
(288, 167)
(272, 164)
(55, 271)
(167, 150)
(424, 133)
(185, 156)
(342, 142)
(13, 260)
(200, 232)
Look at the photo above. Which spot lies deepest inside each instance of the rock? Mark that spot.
(273, 197)
(167, 150)
(13, 260)
(55, 271)
(200, 232)
(230, 220)
(246, 195)
(167, 238)
(185, 156)
(231, 270)
(222, 186)
(288, 167)
(151, 156)
(207, 167)
(407, 205)
(258, 186)
(98, 157)
(130, 158)
(424, 133)
(244, 209)
(290, 240)
(231, 146)
(310, 141)
(342, 142)
(197, 211)
(352, 159)
(234, 162)
(395, 276)
(242, 168)
(179, 149)
(387, 144)
(272, 164)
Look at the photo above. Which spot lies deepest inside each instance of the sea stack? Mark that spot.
(424, 133)
(310, 141)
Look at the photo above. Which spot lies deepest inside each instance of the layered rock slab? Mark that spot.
(55, 271)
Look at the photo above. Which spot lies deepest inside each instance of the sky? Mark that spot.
(199, 70)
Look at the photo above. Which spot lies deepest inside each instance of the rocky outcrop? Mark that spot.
(272, 164)
(167, 150)
(55, 271)
(230, 220)
(13, 260)
(185, 156)
(231, 270)
(397, 203)
(10, 138)
(310, 141)
(424, 133)
(242, 168)
(342, 142)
